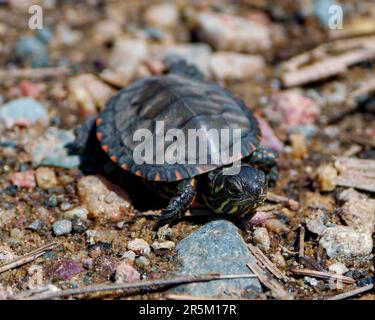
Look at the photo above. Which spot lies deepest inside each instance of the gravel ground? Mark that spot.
(320, 216)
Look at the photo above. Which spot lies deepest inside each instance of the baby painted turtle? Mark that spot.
(182, 100)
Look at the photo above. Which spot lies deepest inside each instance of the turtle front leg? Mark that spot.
(186, 192)
(266, 159)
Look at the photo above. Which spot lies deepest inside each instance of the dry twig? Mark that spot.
(265, 263)
(32, 255)
(351, 293)
(134, 285)
(290, 203)
(323, 275)
(276, 288)
(33, 73)
(301, 251)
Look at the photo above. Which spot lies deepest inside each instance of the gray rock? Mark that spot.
(35, 225)
(24, 111)
(62, 227)
(346, 244)
(142, 262)
(33, 50)
(216, 247)
(51, 149)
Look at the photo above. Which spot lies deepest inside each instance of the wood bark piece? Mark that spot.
(265, 263)
(277, 290)
(328, 60)
(356, 173)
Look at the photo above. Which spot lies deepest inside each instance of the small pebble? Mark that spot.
(88, 93)
(232, 33)
(126, 273)
(279, 260)
(31, 49)
(46, 178)
(88, 263)
(28, 89)
(262, 238)
(276, 226)
(52, 201)
(63, 269)
(338, 268)
(164, 232)
(359, 212)
(23, 112)
(62, 227)
(142, 262)
(346, 244)
(79, 226)
(125, 59)
(235, 66)
(312, 281)
(128, 256)
(36, 225)
(139, 246)
(50, 149)
(290, 109)
(100, 248)
(102, 202)
(164, 15)
(105, 266)
(25, 179)
(6, 254)
(325, 177)
(76, 213)
(166, 245)
(65, 206)
(316, 221)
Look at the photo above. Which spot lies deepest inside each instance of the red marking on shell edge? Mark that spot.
(105, 148)
(178, 175)
(124, 166)
(157, 177)
(99, 121)
(114, 158)
(99, 135)
(138, 173)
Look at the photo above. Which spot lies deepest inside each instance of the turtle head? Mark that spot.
(238, 194)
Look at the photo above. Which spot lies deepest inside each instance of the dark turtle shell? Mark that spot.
(182, 103)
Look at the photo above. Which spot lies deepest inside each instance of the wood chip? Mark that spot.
(323, 275)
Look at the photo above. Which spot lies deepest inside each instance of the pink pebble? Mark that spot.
(25, 179)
